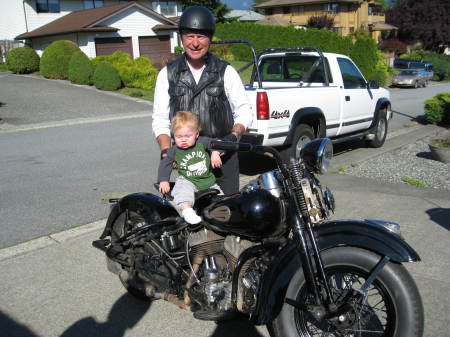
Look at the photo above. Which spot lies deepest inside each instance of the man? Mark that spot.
(200, 82)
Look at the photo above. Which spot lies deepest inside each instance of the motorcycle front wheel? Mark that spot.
(392, 306)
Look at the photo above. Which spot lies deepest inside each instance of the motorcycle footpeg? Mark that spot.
(217, 316)
(101, 244)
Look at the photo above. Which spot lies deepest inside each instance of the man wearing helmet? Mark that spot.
(206, 85)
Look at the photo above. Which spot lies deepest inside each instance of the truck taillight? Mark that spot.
(262, 106)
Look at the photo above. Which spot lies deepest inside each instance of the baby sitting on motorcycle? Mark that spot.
(190, 153)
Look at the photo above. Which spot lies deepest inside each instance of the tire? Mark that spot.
(380, 131)
(393, 303)
(303, 135)
(132, 283)
(416, 85)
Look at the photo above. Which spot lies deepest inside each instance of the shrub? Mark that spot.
(55, 59)
(22, 60)
(222, 50)
(138, 73)
(365, 54)
(437, 109)
(106, 77)
(80, 68)
(179, 50)
(320, 21)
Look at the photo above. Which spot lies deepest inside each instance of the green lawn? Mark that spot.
(138, 93)
(245, 75)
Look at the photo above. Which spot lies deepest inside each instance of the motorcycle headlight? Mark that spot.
(317, 155)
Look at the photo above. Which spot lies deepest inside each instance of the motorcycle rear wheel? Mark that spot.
(124, 223)
(392, 307)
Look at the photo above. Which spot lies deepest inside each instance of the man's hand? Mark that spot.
(215, 159)
(164, 187)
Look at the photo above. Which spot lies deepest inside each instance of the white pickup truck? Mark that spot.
(296, 99)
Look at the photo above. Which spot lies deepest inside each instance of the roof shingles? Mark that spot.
(85, 20)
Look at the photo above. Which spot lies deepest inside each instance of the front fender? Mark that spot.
(150, 206)
(362, 234)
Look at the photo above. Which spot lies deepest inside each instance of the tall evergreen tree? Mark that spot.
(424, 21)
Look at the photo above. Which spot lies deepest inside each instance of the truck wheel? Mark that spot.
(302, 136)
(380, 132)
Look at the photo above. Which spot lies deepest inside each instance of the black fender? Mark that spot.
(151, 207)
(362, 234)
(309, 115)
(381, 104)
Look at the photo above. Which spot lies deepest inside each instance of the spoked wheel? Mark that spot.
(391, 307)
(124, 223)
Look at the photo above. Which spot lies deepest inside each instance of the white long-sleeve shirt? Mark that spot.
(234, 90)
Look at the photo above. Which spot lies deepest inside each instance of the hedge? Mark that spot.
(106, 77)
(80, 68)
(364, 51)
(22, 60)
(138, 73)
(55, 59)
(437, 109)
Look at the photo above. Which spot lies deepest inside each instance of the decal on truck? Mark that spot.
(280, 114)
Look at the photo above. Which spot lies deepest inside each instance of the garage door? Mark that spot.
(107, 46)
(154, 46)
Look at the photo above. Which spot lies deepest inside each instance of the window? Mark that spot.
(269, 11)
(286, 10)
(331, 8)
(352, 30)
(47, 6)
(293, 68)
(350, 75)
(88, 4)
(168, 8)
(300, 10)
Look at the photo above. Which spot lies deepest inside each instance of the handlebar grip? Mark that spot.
(231, 146)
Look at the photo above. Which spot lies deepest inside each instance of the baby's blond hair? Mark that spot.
(185, 118)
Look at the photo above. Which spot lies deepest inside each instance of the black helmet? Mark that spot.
(198, 18)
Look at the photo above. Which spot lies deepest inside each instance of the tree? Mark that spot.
(424, 21)
(320, 21)
(218, 8)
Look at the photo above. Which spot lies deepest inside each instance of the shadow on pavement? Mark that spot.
(13, 328)
(124, 314)
(441, 216)
(236, 328)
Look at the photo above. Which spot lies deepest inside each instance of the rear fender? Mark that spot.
(362, 234)
(309, 115)
(151, 207)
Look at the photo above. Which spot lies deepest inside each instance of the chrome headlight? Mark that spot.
(317, 155)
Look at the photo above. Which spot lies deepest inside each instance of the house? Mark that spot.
(98, 27)
(349, 15)
(244, 15)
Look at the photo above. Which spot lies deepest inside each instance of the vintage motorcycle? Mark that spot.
(269, 253)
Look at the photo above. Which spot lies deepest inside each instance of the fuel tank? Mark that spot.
(254, 215)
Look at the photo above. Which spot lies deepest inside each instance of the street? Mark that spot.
(56, 170)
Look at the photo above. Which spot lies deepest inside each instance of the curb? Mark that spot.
(50, 240)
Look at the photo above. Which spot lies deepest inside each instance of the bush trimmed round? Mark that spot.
(22, 60)
(55, 59)
(80, 68)
(106, 77)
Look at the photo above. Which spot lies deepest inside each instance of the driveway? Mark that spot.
(32, 99)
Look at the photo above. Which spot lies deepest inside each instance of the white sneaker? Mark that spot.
(190, 216)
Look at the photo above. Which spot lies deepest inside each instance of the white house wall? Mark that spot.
(12, 19)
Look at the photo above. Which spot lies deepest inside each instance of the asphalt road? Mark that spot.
(53, 178)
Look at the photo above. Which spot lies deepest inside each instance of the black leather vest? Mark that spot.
(207, 99)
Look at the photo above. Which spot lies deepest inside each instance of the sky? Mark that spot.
(238, 4)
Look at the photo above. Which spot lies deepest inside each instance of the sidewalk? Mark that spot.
(61, 287)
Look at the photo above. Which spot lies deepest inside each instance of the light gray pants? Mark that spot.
(184, 191)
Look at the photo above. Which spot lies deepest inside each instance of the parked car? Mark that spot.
(410, 78)
(425, 66)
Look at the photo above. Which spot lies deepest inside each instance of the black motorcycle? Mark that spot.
(269, 253)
